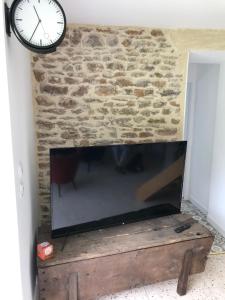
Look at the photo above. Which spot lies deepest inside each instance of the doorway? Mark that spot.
(205, 97)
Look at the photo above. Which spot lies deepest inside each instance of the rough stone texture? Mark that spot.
(105, 85)
(108, 85)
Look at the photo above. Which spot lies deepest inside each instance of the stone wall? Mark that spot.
(107, 85)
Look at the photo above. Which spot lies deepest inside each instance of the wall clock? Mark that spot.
(39, 25)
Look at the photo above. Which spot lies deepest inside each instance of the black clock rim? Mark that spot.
(30, 46)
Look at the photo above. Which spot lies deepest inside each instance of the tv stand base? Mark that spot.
(108, 261)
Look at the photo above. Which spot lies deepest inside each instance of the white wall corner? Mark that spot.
(36, 290)
(200, 205)
(215, 224)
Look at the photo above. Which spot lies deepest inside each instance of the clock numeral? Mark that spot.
(59, 22)
(41, 42)
(49, 2)
(19, 19)
(20, 8)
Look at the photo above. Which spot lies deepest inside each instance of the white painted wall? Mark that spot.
(20, 97)
(216, 213)
(10, 271)
(152, 13)
(202, 113)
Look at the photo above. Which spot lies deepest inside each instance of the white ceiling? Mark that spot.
(151, 13)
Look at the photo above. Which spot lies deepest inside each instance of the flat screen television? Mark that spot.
(100, 186)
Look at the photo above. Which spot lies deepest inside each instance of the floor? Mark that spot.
(208, 285)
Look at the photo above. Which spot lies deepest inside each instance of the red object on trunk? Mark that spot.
(45, 250)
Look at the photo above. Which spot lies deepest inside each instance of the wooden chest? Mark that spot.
(90, 265)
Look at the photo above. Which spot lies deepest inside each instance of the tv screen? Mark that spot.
(97, 187)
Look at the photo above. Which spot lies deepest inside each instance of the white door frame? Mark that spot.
(195, 57)
(188, 128)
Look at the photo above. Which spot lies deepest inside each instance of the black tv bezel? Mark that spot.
(131, 217)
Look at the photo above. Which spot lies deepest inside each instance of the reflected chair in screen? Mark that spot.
(63, 169)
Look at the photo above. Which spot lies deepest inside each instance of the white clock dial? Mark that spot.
(40, 23)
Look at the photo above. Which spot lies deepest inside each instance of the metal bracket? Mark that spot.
(7, 19)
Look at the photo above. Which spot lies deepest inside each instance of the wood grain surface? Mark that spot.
(123, 257)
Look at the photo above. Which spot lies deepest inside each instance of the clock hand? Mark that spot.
(45, 33)
(35, 30)
(40, 21)
(37, 14)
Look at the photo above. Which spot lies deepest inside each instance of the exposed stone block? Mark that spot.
(174, 103)
(142, 83)
(129, 135)
(112, 41)
(44, 100)
(175, 121)
(54, 79)
(123, 82)
(127, 111)
(39, 75)
(159, 84)
(75, 37)
(67, 103)
(159, 75)
(45, 124)
(127, 42)
(159, 104)
(70, 80)
(157, 121)
(93, 40)
(53, 89)
(70, 134)
(123, 122)
(134, 32)
(146, 134)
(167, 131)
(145, 112)
(55, 111)
(48, 66)
(105, 90)
(115, 66)
(144, 104)
(170, 93)
(95, 67)
(80, 91)
(166, 111)
(156, 33)
(139, 93)
(105, 30)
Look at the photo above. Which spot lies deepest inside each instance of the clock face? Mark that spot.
(39, 24)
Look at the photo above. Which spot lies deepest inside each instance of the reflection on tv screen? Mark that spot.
(96, 187)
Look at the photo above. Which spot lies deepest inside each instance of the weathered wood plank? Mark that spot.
(184, 273)
(73, 286)
(118, 258)
(110, 274)
(121, 239)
